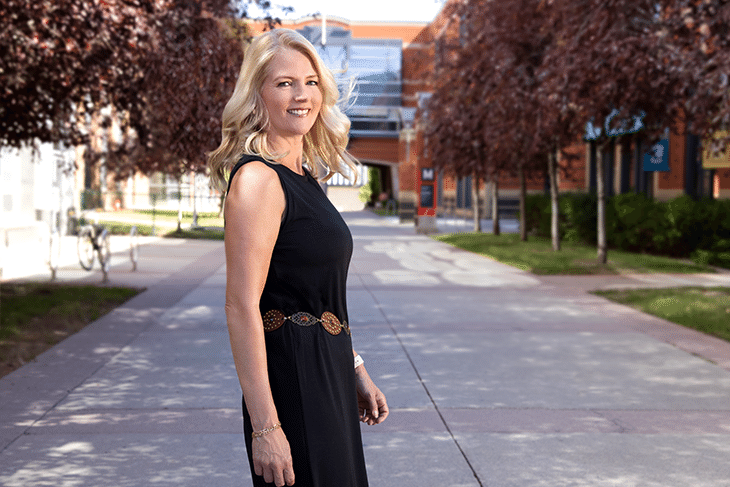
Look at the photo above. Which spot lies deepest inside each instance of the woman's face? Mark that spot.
(291, 94)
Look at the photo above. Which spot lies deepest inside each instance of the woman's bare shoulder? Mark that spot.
(255, 190)
(253, 176)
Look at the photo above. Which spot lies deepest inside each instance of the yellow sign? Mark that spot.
(716, 161)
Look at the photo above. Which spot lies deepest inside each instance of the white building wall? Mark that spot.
(18, 175)
(43, 186)
(34, 189)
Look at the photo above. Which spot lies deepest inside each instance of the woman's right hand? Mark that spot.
(272, 458)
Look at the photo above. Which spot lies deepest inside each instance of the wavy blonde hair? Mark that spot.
(245, 118)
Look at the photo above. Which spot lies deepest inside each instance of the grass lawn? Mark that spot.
(120, 228)
(536, 256)
(163, 217)
(704, 309)
(36, 316)
(209, 234)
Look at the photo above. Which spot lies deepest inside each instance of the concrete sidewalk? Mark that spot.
(494, 378)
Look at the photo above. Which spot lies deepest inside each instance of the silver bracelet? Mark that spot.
(358, 361)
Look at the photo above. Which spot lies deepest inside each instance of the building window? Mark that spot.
(463, 192)
(374, 65)
(340, 180)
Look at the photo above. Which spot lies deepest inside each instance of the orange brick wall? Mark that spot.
(374, 149)
(674, 179)
(408, 32)
(722, 177)
(410, 164)
(417, 67)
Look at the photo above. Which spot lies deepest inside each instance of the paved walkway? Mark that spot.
(494, 377)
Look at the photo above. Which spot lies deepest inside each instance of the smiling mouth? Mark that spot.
(299, 113)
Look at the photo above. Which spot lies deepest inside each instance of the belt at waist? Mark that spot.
(274, 319)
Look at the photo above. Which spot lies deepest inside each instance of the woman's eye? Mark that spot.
(313, 82)
(284, 83)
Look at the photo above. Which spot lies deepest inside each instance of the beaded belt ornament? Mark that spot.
(274, 319)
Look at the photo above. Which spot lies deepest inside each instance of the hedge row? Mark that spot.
(681, 227)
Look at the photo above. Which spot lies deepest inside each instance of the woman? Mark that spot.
(287, 254)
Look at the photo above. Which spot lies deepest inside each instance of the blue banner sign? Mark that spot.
(657, 159)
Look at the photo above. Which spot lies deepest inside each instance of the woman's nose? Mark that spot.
(300, 93)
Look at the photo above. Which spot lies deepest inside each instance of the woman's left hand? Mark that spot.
(371, 403)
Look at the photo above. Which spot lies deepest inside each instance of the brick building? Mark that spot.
(392, 63)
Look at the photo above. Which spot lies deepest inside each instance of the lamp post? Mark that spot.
(406, 203)
(407, 134)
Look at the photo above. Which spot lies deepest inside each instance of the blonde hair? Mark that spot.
(245, 118)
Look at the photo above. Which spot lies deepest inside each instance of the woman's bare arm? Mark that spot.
(253, 210)
(371, 402)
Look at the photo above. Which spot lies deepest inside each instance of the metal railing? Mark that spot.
(152, 213)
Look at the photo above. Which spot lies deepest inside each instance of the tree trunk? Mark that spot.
(601, 190)
(195, 203)
(523, 197)
(495, 206)
(554, 204)
(179, 203)
(221, 204)
(476, 202)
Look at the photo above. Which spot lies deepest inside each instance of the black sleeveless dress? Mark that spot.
(308, 345)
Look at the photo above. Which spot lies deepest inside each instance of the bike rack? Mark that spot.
(134, 246)
(55, 252)
(106, 261)
(99, 239)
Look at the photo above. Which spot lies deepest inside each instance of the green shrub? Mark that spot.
(365, 194)
(679, 228)
(537, 214)
(371, 190)
(577, 220)
(716, 231)
(722, 245)
(708, 257)
(632, 221)
(721, 259)
(579, 214)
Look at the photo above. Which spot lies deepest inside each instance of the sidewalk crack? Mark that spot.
(425, 388)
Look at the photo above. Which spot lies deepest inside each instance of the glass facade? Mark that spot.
(372, 68)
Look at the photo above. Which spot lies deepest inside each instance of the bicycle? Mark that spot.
(94, 239)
